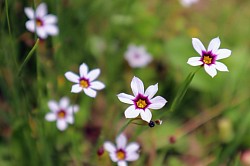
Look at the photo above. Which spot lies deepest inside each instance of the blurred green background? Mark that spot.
(211, 126)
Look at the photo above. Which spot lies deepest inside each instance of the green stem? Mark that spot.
(28, 57)
(7, 15)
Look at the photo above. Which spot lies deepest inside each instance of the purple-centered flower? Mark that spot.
(137, 56)
(40, 22)
(121, 153)
(187, 3)
(208, 58)
(61, 112)
(85, 82)
(141, 101)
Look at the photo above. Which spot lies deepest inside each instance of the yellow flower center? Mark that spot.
(39, 22)
(207, 60)
(61, 114)
(141, 103)
(84, 83)
(120, 154)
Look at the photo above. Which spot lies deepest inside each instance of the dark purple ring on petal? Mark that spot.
(61, 114)
(208, 58)
(141, 102)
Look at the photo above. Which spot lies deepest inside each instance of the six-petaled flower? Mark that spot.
(121, 153)
(61, 112)
(137, 56)
(141, 101)
(208, 58)
(85, 82)
(40, 22)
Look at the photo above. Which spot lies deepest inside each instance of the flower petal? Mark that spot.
(50, 116)
(41, 33)
(74, 108)
(122, 163)
(76, 88)
(157, 102)
(53, 106)
(151, 91)
(132, 147)
(29, 13)
(132, 156)
(93, 74)
(211, 70)
(214, 45)
(131, 112)
(121, 141)
(223, 53)
(41, 10)
(51, 29)
(90, 92)
(146, 115)
(113, 157)
(97, 85)
(194, 61)
(70, 119)
(137, 86)
(72, 77)
(198, 46)
(220, 66)
(108, 146)
(83, 70)
(61, 124)
(64, 103)
(125, 98)
(50, 19)
(30, 25)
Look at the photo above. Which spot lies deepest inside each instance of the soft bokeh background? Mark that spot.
(211, 126)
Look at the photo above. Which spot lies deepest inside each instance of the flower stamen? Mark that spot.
(84, 83)
(207, 59)
(120, 154)
(61, 114)
(39, 22)
(141, 103)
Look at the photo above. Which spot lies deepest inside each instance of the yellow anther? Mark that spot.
(141, 103)
(84, 83)
(207, 60)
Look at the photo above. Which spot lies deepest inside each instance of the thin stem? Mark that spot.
(7, 15)
(124, 126)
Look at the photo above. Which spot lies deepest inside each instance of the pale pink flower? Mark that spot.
(187, 3)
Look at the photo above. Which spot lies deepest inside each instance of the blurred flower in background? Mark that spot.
(137, 57)
(121, 153)
(61, 112)
(40, 22)
(141, 102)
(187, 3)
(85, 82)
(208, 58)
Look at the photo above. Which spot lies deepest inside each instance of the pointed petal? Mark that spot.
(132, 156)
(50, 19)
(76, 88)
(132, 147)
(29, 13)
(151, 91)
(131, 112)
(223, 53)
(93, 74)
(198, 46)
(108, 146)
(30, 25)
(83, 70)
(70, 119)
(211, 70)
(122, 163)
(51, 29)
(61, 124)
(90, 92)
(72, 77)
(157, 102)
(125, 98)
(97, 85)
(214, 45)
(121, 141)
(41, 10)
(64, 103)
(146, 115)
(51, 116)
(194, 61)
(74, 108)
(137, 86)
(41, 33)
(220, 66)
(53, 106)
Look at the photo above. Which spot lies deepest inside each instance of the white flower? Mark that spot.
(61, 112)
(85, 82)
(141, 102)
(137, 56)
(187, 3)
(208, 58)
(40, 22)
(121, 153)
